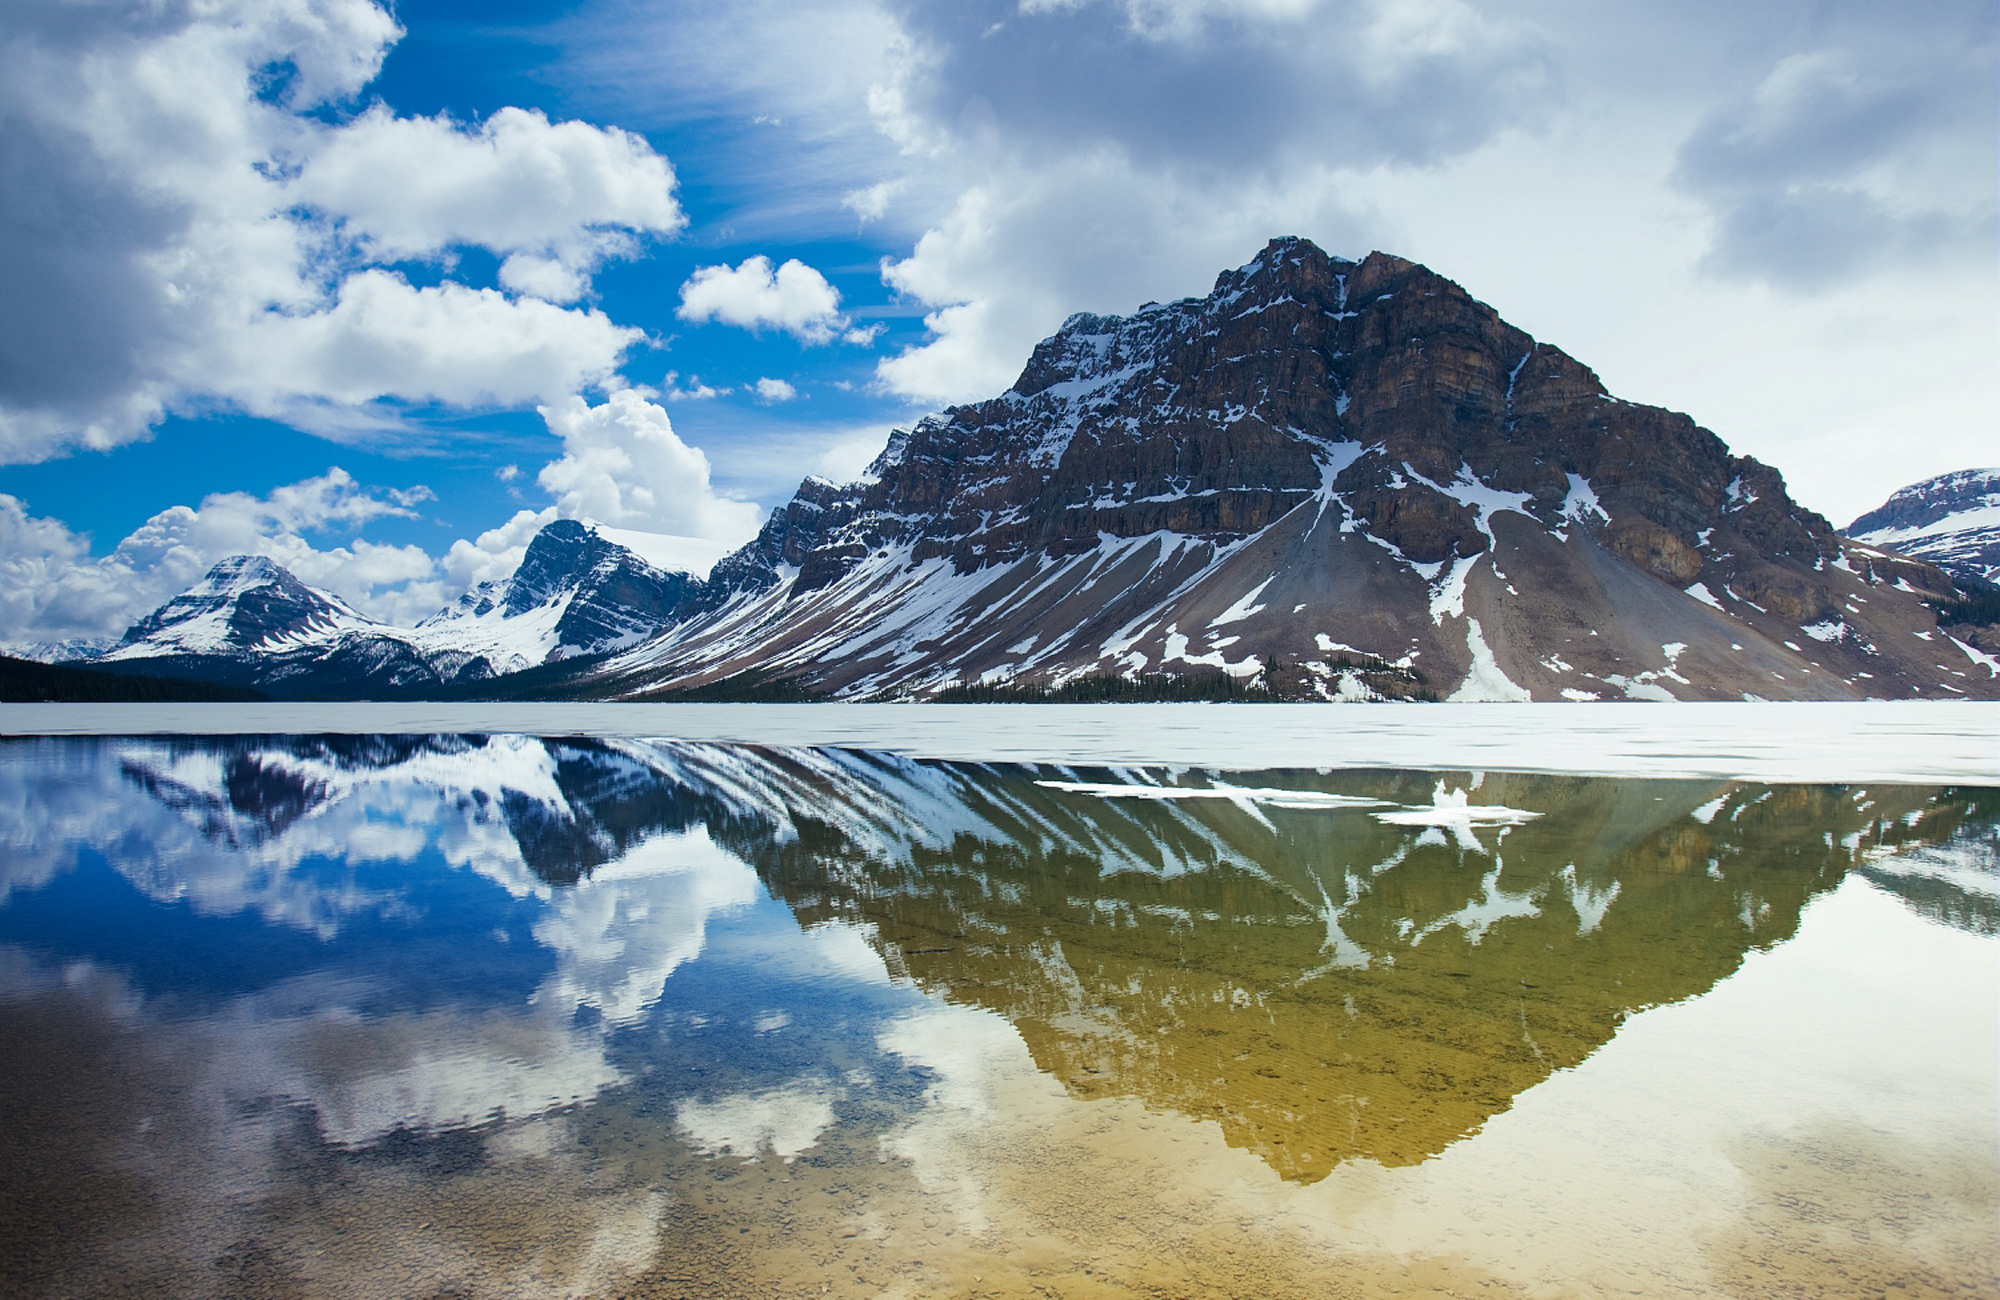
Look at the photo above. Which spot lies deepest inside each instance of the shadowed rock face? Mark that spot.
(1321, 458)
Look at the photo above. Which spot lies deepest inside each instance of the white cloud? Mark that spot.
(693, 391)
(775, 390)
(382, 337)
(553, 199)
(624, 465)
(849, 455)
(1778, 218)
(793, 297)
(185, 227)
(1002, 268)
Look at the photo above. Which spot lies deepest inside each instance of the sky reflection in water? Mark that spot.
(403, 1015)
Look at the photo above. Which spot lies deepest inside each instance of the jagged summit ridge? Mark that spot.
(1341, 479)
(1327, 479)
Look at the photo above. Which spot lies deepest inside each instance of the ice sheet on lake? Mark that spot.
(1916, 741)
(1234, 793)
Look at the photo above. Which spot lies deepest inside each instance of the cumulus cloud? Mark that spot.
(1630, 180)
(624, 465)
(792, 297)
(1088, 177)
(553, 199)
(188, 224)
(381, 337)
(51, 588)
(1002, 274)
(775, 390)
(849, 455)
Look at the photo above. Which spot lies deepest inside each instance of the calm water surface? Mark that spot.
(493, 1015)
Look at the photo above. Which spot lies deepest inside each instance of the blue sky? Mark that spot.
(379, 292)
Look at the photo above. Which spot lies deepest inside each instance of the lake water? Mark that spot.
(486, 1013)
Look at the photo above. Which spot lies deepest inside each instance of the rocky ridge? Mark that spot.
(1335, 479)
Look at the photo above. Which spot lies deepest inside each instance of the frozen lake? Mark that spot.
(1878, 741)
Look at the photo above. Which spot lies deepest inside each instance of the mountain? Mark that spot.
(245, 603)
(1326, 479)
(1952, 520)
(576, 593)
(251, 623)
(1329, 479)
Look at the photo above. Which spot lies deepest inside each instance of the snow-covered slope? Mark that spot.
(67, 650)
(1335, 479)
(1952, 520)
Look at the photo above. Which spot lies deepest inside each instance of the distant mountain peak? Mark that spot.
(243, 602)
(576, 592)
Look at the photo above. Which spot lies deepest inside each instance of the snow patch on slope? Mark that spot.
(1485, 683)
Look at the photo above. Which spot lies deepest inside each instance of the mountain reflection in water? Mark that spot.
(285, 953)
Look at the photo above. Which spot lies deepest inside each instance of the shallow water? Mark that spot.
(493, 1015)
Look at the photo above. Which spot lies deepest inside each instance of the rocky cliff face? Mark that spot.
(1335, 479)
(1952, 520)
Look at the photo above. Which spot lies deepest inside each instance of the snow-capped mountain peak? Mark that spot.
(244, 603)
(577, 592)
(1952, 520)
(251, 622)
